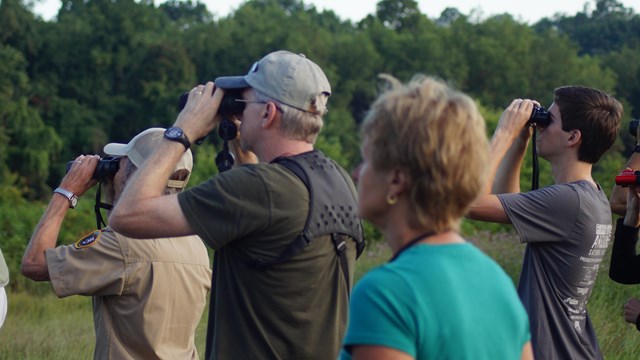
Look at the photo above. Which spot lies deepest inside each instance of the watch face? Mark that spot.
(174, 133)
(74, 201)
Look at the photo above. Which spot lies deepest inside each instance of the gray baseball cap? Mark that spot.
(290, 78)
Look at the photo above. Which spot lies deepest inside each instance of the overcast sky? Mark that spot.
(524, 10)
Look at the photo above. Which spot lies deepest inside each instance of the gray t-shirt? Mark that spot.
(567, 229)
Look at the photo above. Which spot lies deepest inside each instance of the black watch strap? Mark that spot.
(176, 134)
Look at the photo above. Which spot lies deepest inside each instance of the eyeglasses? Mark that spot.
(258, 102)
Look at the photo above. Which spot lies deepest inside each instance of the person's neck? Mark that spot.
(401, 241)
(572, 170)
(399, 233)
(282, 148)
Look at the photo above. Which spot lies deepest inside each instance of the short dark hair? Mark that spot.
(596, 114)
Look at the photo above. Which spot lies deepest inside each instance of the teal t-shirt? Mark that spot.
(439, 302)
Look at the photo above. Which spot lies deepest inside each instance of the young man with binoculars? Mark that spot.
(567, 225)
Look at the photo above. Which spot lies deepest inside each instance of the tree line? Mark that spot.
(103, 70)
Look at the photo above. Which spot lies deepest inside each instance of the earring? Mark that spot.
(392, 199)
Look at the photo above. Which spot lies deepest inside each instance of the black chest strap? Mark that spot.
(332, 208)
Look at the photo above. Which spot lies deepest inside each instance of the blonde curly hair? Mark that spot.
(437, 135)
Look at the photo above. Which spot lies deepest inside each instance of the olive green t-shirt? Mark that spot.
(294, 310)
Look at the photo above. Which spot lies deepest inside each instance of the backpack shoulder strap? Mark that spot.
(332, 206)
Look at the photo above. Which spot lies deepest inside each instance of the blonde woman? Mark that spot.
(424, 153)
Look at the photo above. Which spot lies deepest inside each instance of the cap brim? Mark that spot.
(115, 149)
(231, 82)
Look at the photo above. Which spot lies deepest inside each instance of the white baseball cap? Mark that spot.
(142, 146)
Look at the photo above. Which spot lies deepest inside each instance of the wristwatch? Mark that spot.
(73, 199)
(176, 134)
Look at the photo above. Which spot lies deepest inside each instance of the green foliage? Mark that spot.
(47, 328)
(204, 165)
(625, 63)
(135, 59)
(27, 143)
(18, 219)
(608, 27)
(106, 69)
(398, 14)
(44, 327)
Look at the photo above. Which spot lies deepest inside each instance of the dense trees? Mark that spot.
(105, 69)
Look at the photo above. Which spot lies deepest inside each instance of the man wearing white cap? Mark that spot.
(148, 296)
(285, 229)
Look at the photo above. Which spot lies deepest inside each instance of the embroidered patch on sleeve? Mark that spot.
(88, 240)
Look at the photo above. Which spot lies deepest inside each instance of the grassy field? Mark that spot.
(44, 327)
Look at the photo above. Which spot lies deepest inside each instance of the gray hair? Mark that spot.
(298, 124)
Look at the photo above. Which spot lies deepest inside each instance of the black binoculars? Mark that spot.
(227, 129)
(228, 107)
(539, 116)
(106, 168)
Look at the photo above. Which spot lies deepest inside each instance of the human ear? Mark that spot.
(269, 114)
(398, 181)
(575, 137)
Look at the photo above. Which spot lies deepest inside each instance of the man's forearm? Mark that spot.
(507, 179)
(143, 211)
(148, 183)
(45, 236)
(500, 146)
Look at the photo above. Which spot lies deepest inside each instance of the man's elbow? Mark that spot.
(118, 223)
(125, 224)
(34, 271)
(120, 219)
(488, 208)
(618, 208)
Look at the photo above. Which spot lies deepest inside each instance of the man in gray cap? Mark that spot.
(284, 229)
(148, 296)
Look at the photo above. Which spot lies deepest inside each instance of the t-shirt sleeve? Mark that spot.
(93, 266)
(214, 207)
(546, 214)
(625, 263)
(378, 314)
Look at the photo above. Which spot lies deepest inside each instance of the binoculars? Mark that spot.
(539, 116)
(628, 177)
(227, 129)
(106, 168)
